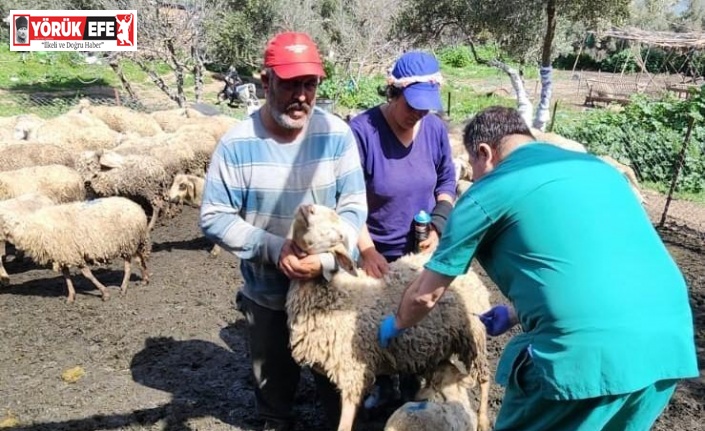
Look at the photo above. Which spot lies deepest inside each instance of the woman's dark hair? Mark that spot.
(391, 92)
(491, 126)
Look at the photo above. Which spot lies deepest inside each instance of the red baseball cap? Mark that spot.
(293, 54)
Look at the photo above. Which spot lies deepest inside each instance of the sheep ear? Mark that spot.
(191, 188)
(455, 361)
(343, 258)
(111, 160)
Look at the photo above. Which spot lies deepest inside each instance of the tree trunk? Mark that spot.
(523, 103)
(543, 112)
(115, 65)
(178, 72)
(197, 73)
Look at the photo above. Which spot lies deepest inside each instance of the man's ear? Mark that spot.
(484, 151)
(264, 79)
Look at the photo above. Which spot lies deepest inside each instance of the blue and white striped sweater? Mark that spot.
(254, 184)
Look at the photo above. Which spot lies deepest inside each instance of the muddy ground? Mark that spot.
(172, 355)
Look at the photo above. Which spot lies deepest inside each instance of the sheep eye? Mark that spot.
(182, 186)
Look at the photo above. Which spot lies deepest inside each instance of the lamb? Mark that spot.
(142, 179)
(188, 189)
(445, 404)
(25, 155)
(60, 183)
(333, 325)
(23, 204)
(82, 234)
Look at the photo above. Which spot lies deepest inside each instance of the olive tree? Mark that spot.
(524, 28)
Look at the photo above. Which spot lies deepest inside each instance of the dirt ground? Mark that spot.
(172, 355)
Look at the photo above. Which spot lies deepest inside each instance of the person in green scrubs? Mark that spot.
(607, 331)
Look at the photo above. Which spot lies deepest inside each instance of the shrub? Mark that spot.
(649, 135)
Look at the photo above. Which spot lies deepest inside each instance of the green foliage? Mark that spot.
(348, 92)
(649, 135)
(455, 56)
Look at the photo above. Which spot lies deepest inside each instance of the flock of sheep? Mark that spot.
(88, 186)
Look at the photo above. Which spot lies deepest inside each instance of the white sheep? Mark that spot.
(333, 325)
(60, 183)
(444, 404)
(18, 206)
(120, 118)
(81, 234)
(188, 189)
(25, 155)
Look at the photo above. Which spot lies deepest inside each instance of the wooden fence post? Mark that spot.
(678, 165)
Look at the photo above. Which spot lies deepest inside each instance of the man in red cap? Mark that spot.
(285, 154)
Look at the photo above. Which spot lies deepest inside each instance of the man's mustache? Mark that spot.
(299, 106)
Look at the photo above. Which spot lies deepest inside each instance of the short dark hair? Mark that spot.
(491, 126)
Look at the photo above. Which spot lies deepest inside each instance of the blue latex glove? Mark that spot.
(498, 320)
(388, 330)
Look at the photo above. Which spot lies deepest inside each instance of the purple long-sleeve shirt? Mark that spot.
(401, 180)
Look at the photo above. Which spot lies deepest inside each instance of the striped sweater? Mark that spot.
(254, 185)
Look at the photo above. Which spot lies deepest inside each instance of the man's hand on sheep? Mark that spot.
(499, 319)
(296, 265)
(388, 330)
(373, 263)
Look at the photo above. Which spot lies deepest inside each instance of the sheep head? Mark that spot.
(186, 189)
(448, 380)
(319, 229)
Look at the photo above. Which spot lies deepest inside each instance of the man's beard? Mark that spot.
(284, 120)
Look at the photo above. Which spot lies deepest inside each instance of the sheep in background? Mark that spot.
(333, 325)
(25, 155)
(18, 206)
(177, 153)
(215, 126)
(72, 131)
(172, 119)
(188, 189)
(445, 404)
(60, 183)
(81, 234)
(142, 179)
(121, 119)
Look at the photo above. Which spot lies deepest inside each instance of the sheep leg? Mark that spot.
(89, 275)
(347, 416)
(153, 220)
(144, 273)
(4, 278)
(69, 284)
(483, 418)
(126, 276)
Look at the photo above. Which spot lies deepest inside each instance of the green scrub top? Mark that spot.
(603, 306)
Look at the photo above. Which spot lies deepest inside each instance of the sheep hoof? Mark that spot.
(5, 281)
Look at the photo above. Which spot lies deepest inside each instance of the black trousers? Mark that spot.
(276, 374)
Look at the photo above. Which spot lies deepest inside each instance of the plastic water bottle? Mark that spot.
(422, 224)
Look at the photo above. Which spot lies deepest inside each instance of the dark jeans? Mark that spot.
(276, 373)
